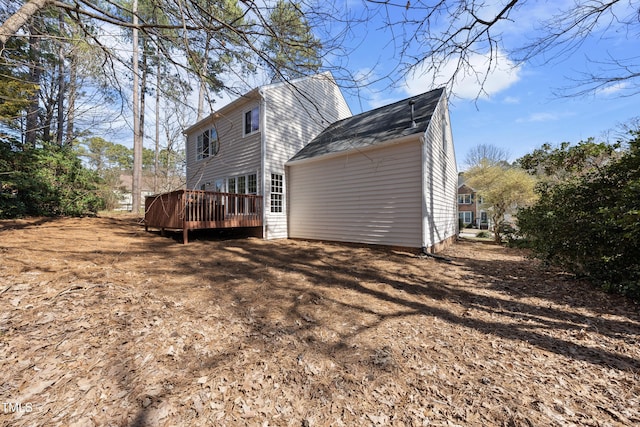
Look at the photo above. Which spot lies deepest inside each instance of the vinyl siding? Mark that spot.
(440, 179)
(238, 154)
(371, 197)
(293, 117)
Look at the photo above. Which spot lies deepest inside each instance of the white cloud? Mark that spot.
(484, 79)
(613, 89)
(511, 100)
(541, 117)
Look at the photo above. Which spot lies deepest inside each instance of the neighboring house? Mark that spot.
(124, 195)
(387, 176)
(470, 212)
(123, 192)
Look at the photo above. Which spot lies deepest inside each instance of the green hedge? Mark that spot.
(45, 181)
(590, 224)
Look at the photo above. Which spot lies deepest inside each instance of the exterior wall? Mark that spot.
(238, 154)
(370, 196)
(439, 180)
(293, 117)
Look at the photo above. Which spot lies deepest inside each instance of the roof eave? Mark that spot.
(403, 139)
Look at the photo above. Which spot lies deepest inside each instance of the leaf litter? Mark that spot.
(103, 324)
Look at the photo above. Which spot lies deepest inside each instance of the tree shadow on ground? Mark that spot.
(322, 299)
(521, 321)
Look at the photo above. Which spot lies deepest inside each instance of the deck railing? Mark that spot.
(196, 209)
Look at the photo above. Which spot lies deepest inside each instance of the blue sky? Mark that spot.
(521, 110)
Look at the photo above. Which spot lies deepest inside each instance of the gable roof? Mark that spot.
(253, 94)
(374, 127)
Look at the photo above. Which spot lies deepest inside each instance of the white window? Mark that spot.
(252, 184)
(252, 121)
(464, 199)
(207, 144)
(466, 217)
(243, 184)
(276, 192)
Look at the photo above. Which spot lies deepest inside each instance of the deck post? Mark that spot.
(185, 235)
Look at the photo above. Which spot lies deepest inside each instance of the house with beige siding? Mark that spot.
(386, 176)
(289, 160)
(243, 147)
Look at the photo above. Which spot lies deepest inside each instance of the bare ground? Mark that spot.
(104, 324)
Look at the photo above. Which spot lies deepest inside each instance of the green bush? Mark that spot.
(45, 181)
(590, 224)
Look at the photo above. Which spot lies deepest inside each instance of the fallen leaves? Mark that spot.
(137, 330)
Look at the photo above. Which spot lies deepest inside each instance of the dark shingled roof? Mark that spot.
(374, 127)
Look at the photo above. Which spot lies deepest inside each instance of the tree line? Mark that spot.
(66, 75)
(576, 206)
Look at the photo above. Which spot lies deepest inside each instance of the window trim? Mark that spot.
(463, 214)
(276, 193)
(212, 147)
(249, 113)
(464, 198)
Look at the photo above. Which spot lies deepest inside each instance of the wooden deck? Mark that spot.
(194, 209)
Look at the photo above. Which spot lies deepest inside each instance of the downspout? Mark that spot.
(423, 194)
(263, 159)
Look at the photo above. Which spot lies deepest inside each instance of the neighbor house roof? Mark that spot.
(374, 127)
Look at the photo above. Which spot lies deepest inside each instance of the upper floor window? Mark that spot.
(207, 144)
(252, 121)
(464, 199)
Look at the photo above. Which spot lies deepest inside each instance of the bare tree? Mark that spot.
(429, 36)
(487, 154)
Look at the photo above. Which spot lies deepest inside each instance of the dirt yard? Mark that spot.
(105, 324)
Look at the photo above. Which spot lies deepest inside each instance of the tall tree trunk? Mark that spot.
(143, 105)
(71, 102)
(156, 153)
(143, 89)
(203, 80)
(137, 137)
(46, 119)
(201, 98)
(61, 86)
(35, 73)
